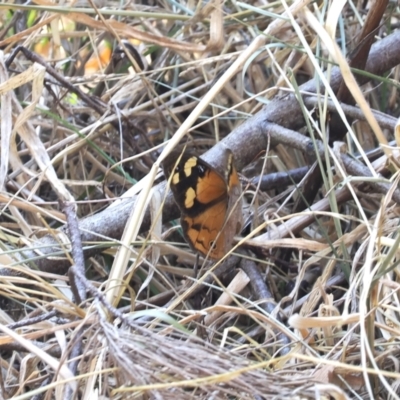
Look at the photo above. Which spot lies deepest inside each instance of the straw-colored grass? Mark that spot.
(101, 297)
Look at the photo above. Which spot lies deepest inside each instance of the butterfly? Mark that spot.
(209, 201)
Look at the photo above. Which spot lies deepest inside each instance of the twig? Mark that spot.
(52, 349)
(33, 320)
(356, 168)
(77, 287)
(280, 179)
(261, 291)
(93, 102)
(384, 120)
(76, 249)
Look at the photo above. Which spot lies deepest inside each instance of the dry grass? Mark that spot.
(307, 307)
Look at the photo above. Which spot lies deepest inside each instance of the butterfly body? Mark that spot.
(209, 201)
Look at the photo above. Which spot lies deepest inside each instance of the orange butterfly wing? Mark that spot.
(210, 204)
(205, 232)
